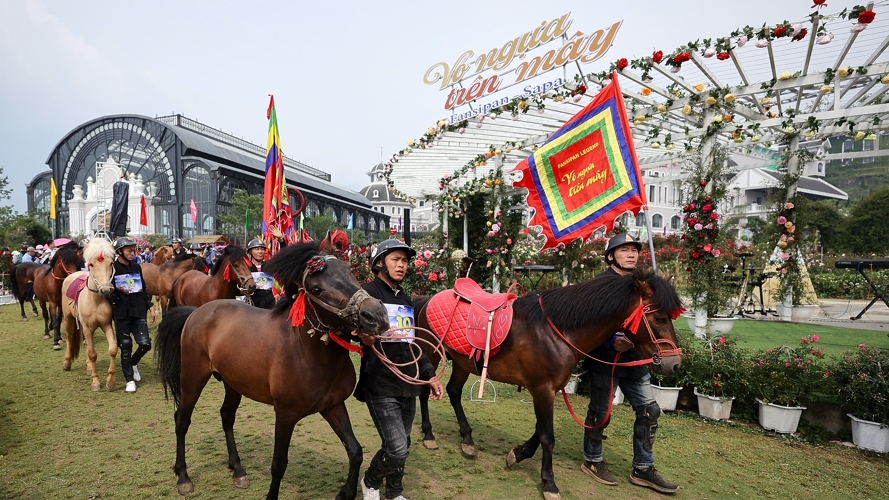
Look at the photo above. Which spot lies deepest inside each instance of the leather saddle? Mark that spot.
(76, 287)
(461, 317)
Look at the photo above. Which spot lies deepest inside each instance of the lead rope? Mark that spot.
(394, 367)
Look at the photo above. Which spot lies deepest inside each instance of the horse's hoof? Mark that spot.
(56, 347)
(110, 386)
(46, 337)
(430, 444)
(468, 450)
(548, 495)
(241, 482)
(66, 366)
(96, 387)
(185, 488)
(510, 459)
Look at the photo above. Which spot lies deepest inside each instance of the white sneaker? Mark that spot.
(131, 387)
(136, 376)
(399, 497)
(368, 492)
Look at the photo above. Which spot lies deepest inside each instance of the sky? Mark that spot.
(347, 76)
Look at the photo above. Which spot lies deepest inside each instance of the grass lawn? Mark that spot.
(758, 334)
(59, 440)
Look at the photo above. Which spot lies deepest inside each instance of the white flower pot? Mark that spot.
(714, 408)
(666, 397)
(869, 435)
(802, 313)
(618, 397)
(720, 326)
(781, 419)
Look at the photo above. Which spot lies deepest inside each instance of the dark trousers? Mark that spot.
(393, 418)
(138, 328)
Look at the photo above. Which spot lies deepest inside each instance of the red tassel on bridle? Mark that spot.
(632, 323)
(298, 310)
(228, 272)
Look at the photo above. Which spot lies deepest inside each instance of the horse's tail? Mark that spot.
(14, 283)
(73, 338)
(169, 350)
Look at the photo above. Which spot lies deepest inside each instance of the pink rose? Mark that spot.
(814, 338)
(722, 340)
(708, 247)
(785, 256)
(862, 346)
(698, 227)
(788, 206)
(427, 254)
(716, 252)
(782, 220)
(786, 365)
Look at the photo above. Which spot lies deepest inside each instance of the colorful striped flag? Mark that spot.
(276, 203)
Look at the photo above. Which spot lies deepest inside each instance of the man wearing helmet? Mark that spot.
(391, 401)
(129, 311)
(262, 297)
(621, 256)
(177, 247)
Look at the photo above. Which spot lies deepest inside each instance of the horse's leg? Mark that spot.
(46, 322)
(91, 356)
(429, 441)
(110, 382)
(228, 412)
(543, 435)
(55, 313)
(285, 421)
(70, 328)
(338, 418)
(22, 306)
(192, 386)
(455, 395)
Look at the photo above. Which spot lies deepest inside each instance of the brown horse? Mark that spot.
(159, 279)
(534, 356)
(46, 281)
(230, 275)
(162, 255)
(20, 276)
(296, 369)
(92, 310)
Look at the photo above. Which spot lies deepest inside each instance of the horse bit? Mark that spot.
(350, 312)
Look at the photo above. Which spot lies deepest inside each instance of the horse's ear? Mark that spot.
(326, 246)
(645, 290)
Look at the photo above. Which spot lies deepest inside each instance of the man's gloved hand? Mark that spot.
(622, 344)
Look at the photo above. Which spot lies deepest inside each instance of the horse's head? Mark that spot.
(99, 256)
(66, 261)
(199, 263)
(236, 269)
(650, 325)
(311, 278)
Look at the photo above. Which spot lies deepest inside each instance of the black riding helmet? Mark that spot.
(122, 242)
(620, 240)
(255, 243)
(385, 248)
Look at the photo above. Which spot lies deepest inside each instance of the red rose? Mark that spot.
(657, 57)
(688, 269)
(779, 31)
(622, 63)
(696, 255)
(581, 90)
(714, 216)
(722, 56)
(684, 236)
(866, 17)
(701, 261)
(707, 207)
(703, 183)
(708, 247)
(701, 236)
(707, 199)
(433, 277)
(799, 36)
(681, 57)
(692, 206)
(699, 247)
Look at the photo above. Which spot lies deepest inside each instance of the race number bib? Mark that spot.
(263, 280)
(128, 283)
(400, 316)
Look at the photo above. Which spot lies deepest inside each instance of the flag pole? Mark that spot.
(650, 237)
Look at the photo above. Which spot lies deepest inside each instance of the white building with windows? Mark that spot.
(385, 201)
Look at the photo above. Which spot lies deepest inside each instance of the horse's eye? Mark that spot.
(316, 290)
(661, 320)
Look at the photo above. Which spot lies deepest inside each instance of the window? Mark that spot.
(674, 222)
(868, 146)
(650, 193)
(640, 219)
(197, 189)
(657, 220)
(376, 193)
(422, 203)
(821, 167)
(848, 147)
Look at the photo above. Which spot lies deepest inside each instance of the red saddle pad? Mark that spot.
(462, 325)
(76, 287)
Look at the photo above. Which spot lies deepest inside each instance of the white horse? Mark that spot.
(92, 310)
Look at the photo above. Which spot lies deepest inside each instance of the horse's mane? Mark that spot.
(96, 247)
(597, 300)
(233, 252)
(69, 257)
(287, 267)
(182, 256)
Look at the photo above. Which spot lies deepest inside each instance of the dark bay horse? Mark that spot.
(159, 279)
(534, 356)
(47, 285)
(20, 276)
(230, 274)
(295, 369)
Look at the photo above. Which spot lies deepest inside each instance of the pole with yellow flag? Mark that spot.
(53, 198)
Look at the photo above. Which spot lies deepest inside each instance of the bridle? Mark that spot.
(242, 281)
(99, 284)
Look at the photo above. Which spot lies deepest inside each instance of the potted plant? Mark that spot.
(719, 373)
(863, 380)
(782, 379)
(666, 389)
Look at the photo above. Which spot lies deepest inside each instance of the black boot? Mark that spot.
(651, 479)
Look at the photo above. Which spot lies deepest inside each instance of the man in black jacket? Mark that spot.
(621, 255)
(131, 305)
(392, 402)
(263, 296)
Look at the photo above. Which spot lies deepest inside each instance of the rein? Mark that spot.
(226, 276)
(395, 367)
(70, 272)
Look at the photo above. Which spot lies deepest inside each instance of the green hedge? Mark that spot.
(846, 284)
